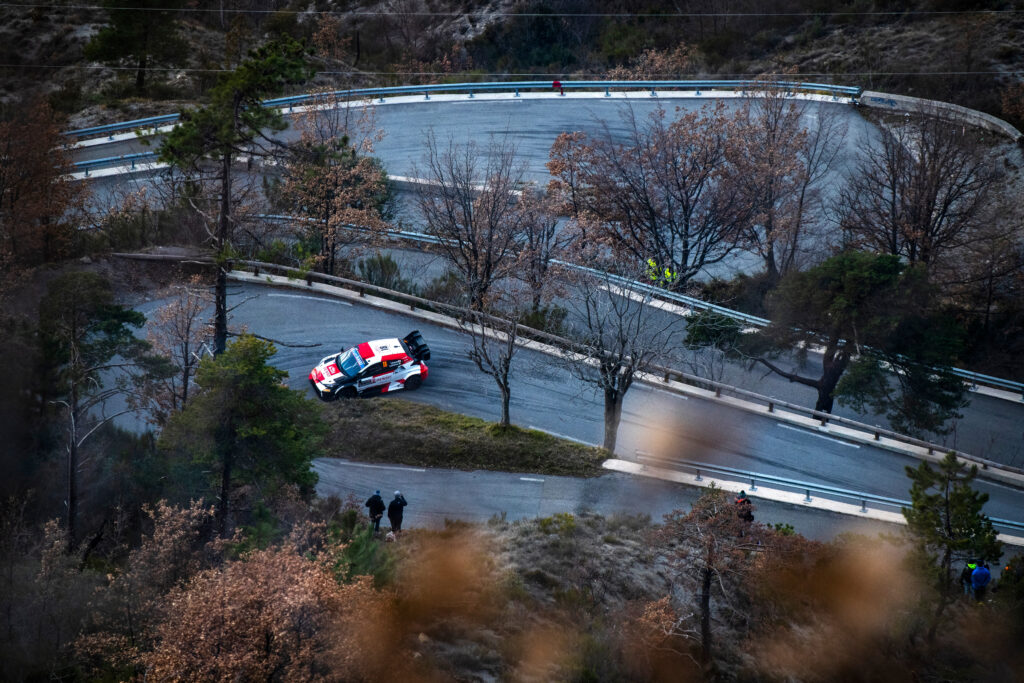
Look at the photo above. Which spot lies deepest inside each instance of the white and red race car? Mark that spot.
(379, 366)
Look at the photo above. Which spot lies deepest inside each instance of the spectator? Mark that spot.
(395, 511)
(965, 576)
(377, 507)
(979, 580)
(744, 508)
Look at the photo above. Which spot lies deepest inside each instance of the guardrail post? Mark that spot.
(698, 92)
(133, 163)
(517, 92)
(771, 407)
(863, 506)
(470, 94)
(808, 498)
(699, 478)
(718, 392)
(824, 421)
(607, 92)
(426, 94)
(86, 171)
(653, 94)
(255, 271)
(309, 279)
(753, 484)
(878, 436)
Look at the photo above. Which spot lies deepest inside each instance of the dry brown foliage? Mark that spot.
(655, 64)
(178, 331)
(126, 610)
(833, 612)
(272, 615)
(670, 193)
(331, 182)
(37, 197)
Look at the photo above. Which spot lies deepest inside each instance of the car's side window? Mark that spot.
(372, 370)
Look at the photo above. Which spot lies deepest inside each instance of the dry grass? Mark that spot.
(393, 430)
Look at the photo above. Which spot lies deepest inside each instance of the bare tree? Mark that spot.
(714, 547)
(618, 336)
(543, 240)
(178, 332)
(781, 166)
(343, 194)
(919, 193)
(493, 335)
(668, 195)
(469, 199)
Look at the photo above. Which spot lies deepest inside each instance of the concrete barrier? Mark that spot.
(973, 117)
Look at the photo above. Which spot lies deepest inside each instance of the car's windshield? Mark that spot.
(351, 362)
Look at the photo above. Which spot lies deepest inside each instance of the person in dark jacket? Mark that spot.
(744, 508)
(979, 580)
(376, 505)
(395, 509)
(965, 576)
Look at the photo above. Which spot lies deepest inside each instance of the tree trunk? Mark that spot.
(71, 514)
(140, 72)
(612, 415)
(705, 616)
(506, 396)
(220, 325)
(223, 505)
(944, 600)
(833, 365)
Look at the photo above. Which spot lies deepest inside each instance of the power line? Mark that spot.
(588, 15)
(562, 74)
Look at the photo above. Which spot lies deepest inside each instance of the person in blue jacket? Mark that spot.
(979, 580)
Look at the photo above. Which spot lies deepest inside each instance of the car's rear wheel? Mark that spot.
(413, 382)
(347, 392)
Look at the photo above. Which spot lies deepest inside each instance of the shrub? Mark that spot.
(561, 523)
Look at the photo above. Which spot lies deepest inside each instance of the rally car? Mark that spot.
(379, 366)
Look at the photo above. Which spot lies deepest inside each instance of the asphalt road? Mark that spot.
(438, 495)
(546, 397)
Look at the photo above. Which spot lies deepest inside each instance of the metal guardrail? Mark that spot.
(974, 378)
(561, 342)
(702, 468)
(131, 159)
(792, 87)
(111, 128)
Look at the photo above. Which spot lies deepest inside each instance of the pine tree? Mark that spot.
(235, 122)
(143, 30)
(246, 428)
(947, 524)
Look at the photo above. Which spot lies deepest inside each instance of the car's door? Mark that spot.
(371, 376)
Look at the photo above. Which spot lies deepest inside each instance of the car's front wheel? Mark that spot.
(413, 382)
(347, 392)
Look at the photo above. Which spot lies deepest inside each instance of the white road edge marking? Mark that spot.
(381, 467)
(820, 436)
(530, 479)
(562, 436)
(314, 298)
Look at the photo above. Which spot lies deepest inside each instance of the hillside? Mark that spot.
(958, 52)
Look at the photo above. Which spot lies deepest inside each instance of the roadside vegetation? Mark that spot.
(424, 436)
(200, 550)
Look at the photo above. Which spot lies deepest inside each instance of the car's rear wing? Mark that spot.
(418, 347)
